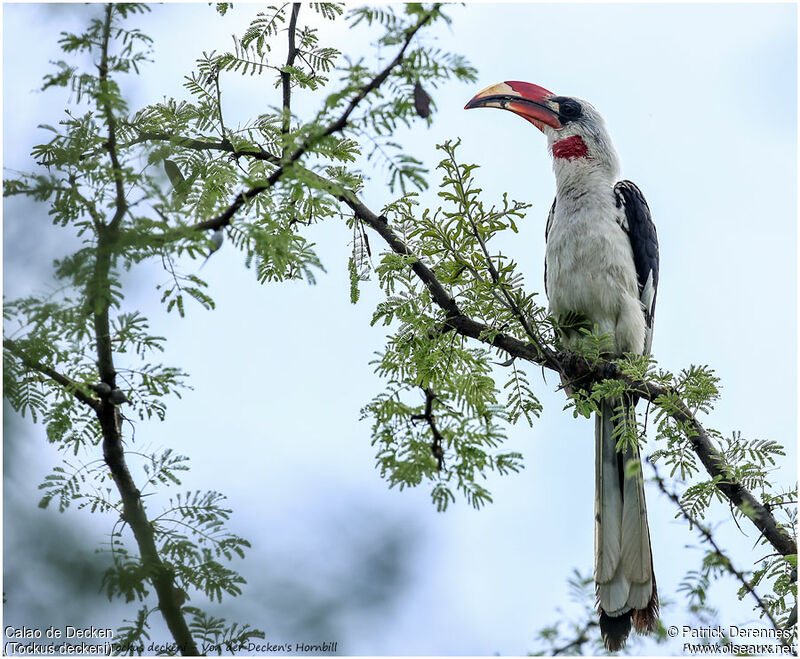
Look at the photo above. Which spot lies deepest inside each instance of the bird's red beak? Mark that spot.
(527, 100)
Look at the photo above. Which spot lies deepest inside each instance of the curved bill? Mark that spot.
(527, 100)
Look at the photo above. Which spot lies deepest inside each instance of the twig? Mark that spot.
(66, 382)
(709, 538)
(436, 445)
(581, 639)
(133, 509)
(495, 275)
(286, 81)
(224, 218)
(121, 205)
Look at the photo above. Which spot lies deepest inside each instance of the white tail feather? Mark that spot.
(623, 562)
(608, 505)
(614, 596)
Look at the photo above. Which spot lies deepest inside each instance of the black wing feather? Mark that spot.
(643, 237)
(546, 234)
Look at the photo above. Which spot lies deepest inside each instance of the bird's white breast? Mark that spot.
(590, 267)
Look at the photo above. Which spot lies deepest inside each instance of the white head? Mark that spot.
(576, 133)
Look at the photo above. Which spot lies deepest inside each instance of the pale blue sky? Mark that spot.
(701, 103)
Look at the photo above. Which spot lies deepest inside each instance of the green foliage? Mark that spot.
(218, 637)
(131, 186)
(252, 52)
(776, 575)
(359, 264)
(153, 186)
(471, 410)
(193, 537)
(132, 634)
(69, 485)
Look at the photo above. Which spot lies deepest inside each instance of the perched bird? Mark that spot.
(601, 264)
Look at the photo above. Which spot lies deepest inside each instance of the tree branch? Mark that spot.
(224, 218)
(68, 383)
(111, 144)
(99, 296)
(579, 369)
(455, 319)
(709, 538)
(286, 81)
(436, 444)
(717, 468)
(577, 643)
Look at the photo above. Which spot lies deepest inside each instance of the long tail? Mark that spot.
(623, 571)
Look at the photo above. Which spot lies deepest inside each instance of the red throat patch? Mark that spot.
(570, 148)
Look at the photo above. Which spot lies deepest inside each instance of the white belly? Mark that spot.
(590, 270)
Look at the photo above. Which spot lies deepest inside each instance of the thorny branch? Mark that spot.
(709, 538)
(68, 383)
(577, 643)
(575, 369)
(224, 218)
(121, 205)
(286, 80)
(436, 445)
(133, 509)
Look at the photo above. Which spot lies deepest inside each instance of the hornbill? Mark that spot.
(601, 265)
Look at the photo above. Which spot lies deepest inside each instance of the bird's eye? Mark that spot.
(569, 109)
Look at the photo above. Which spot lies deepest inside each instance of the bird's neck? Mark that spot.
(582, 180)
